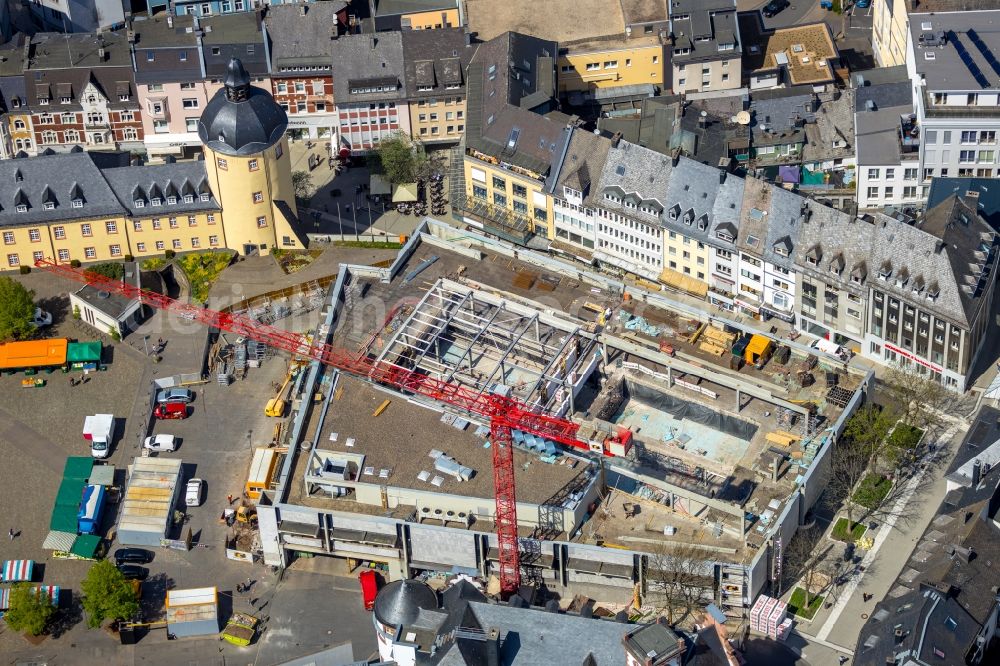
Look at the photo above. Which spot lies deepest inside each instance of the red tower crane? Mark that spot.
(505, 413)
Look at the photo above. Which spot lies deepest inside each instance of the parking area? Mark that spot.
(41, 427)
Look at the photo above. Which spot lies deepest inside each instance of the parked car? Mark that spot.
(160, 443)
(181, 395)
(774, 8)
(194, 490)
(133, 571)
(863, 4)
(171, 410)
(133, 556)
(41, 318)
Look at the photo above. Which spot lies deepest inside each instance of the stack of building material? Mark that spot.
(778, 614)
(784, 629)
(760, 611)
(524, 280)
(716, 342)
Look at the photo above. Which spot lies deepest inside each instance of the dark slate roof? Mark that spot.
(653, 638)
(986, 192)
(584, 161)
(376, 59)
(302, 34)
(234, 35)
(966, 242)
(778, 115)
(771, 216)
(173, 48)
(179, 179)
(884, 95)
(436, 58)
(511, 84)
(836, 233)
(156, 32)
(983, 433)
(241, 127)
(400, 602)
(60, 174)
(933, 625)
(55, 50)
(715, 19)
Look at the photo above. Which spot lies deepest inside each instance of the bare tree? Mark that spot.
(850, 464)
(869, 428)
(679, 577)
(919, 399)
(806, 562)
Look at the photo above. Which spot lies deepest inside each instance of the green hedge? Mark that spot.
(872, 490)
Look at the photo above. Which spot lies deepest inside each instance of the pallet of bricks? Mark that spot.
(767, 616)
(716, 342)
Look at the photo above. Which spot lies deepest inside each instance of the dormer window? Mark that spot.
(780, 250)
(124, 97)
(155, 201)
(139, 203)
(65, 100)
(205, 197)
(77, 203)
(171, 200)
(885, 271)
(44, 101)
(15, 102)
(48, 205)
(188, 198)
(21, 208)
(724, 236)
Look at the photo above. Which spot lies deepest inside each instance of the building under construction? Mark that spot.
(707, 450)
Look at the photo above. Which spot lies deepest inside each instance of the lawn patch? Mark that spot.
(797, 602)
(202, 269)
(872, 491)
(382, 245)
(291, 261)
(840, 532)
(904, 437)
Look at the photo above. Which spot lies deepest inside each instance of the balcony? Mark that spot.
(932, 110)
(500, 222)
(909, 134)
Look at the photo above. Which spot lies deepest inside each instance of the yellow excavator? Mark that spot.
(276, 405)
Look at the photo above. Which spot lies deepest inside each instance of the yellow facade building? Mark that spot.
(78, 207)
(890, 30)
(248, 166)
(601, 64)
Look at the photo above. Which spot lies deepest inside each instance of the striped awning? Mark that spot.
(51, 591)
(56, 540)
(17, 570)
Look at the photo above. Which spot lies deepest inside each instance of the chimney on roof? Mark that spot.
(675, 156)
(977, 472)
(775, 464)
(170, 20)
(703, 120)
(722, 176)
(468, 38)
(898, 635)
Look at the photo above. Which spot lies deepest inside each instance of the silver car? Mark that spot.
(181, 395)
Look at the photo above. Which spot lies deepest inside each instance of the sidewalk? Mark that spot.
(841, 624)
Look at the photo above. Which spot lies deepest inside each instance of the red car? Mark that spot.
(369, 588)
(171, 410)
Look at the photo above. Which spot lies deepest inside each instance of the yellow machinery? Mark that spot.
(276, 405)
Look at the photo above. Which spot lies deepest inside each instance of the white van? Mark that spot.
(161, 443)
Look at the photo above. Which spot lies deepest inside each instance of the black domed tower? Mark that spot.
(243, 132)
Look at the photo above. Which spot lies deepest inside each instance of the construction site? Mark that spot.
(473, 409)
(687, 432)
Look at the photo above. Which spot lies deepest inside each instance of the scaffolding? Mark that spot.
(480, 341)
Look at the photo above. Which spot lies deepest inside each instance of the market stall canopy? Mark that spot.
(405, 193)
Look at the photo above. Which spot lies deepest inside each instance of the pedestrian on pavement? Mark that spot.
(10, 533)
(230, 498)
(239, 588)
(249, 582)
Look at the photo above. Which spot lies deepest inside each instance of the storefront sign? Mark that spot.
(906, 354)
